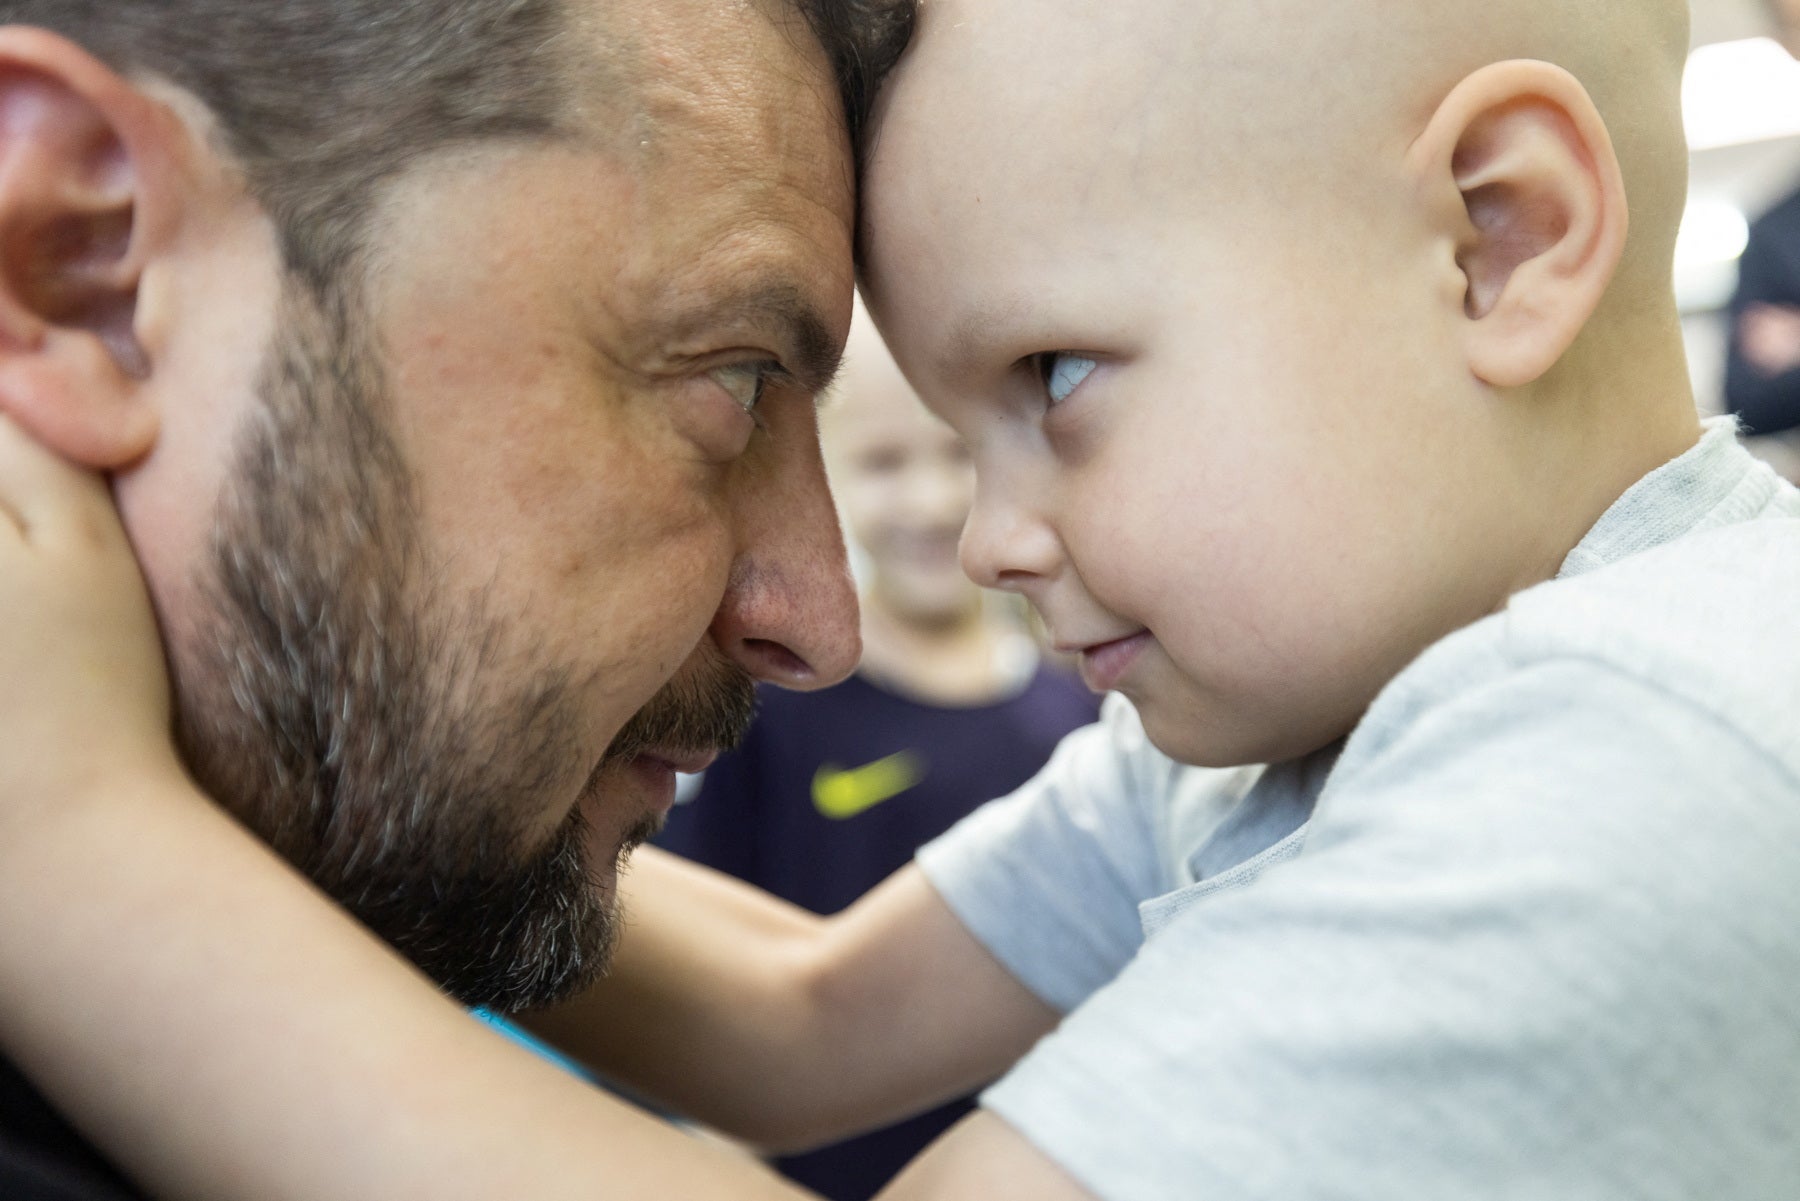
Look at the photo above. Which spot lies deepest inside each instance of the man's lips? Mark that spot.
(686, 762)
(653, 767)
(1104, 664)
(654, 771)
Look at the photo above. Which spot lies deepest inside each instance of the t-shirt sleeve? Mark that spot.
(1545, 944)
(1049, 878)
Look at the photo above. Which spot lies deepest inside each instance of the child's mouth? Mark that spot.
(1104, 664)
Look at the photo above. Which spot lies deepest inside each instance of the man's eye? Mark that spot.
(1061, 373)
(744, 382)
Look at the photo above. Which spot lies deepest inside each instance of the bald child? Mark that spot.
(1324, 382)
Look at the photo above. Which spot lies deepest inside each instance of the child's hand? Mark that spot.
(84, 694)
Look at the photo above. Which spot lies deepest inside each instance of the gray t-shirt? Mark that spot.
(1532, 932)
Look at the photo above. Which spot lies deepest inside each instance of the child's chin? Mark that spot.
(1205, 740)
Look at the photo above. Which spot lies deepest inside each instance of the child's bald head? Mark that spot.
(1294, 334)
(1285, 102)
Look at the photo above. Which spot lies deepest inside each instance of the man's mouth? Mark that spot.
(653, 768)
(638, 790)
(683, 728)
(686, 762)
(692, 718)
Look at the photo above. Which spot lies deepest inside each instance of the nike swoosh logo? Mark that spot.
(841, 793)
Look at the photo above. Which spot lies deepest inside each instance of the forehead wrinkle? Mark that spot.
(653, 78)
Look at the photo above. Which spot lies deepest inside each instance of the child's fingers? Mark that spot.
(45, 499)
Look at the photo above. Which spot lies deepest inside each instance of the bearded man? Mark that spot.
(453, 364)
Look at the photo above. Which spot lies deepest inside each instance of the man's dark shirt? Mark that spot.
(1769, 274)
(41, 1156)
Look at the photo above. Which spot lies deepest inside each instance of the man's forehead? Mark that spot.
(727, 125)
(700, 83)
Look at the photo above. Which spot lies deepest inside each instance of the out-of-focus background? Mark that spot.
(1742, 101)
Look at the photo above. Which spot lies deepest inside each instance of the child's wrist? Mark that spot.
(89, 803)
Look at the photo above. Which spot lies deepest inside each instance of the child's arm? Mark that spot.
(216, 1025)
(225, 1033)
(788, 1029)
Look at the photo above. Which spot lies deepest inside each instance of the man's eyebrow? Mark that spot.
(784, 315)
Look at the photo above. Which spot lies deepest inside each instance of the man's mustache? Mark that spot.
(708, 708)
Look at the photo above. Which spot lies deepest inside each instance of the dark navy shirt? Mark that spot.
(831, 793)
(41, 1156)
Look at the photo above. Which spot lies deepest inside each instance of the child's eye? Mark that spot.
(745, 382)
(1061, 373)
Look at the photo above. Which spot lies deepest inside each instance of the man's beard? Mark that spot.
(388, 739)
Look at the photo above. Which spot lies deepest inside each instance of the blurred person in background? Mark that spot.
(831, 792)
(1762, 375)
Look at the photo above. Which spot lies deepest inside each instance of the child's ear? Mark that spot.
(74, 138)
(1520, 172)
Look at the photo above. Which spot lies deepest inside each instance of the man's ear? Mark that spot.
(75, 140)
(1517, 165)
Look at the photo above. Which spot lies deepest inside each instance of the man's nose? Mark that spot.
(789, 613)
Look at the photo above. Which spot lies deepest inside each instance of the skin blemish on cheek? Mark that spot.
(574, 564)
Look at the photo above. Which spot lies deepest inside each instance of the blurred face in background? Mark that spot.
(904, 483)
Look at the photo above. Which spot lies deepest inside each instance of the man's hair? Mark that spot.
(864, 39)
(319, 101)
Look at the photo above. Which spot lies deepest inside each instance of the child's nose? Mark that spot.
(1005, 546)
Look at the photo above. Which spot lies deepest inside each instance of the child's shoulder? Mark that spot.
(1605, 735)
(1704, 629)
(1713, 617)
